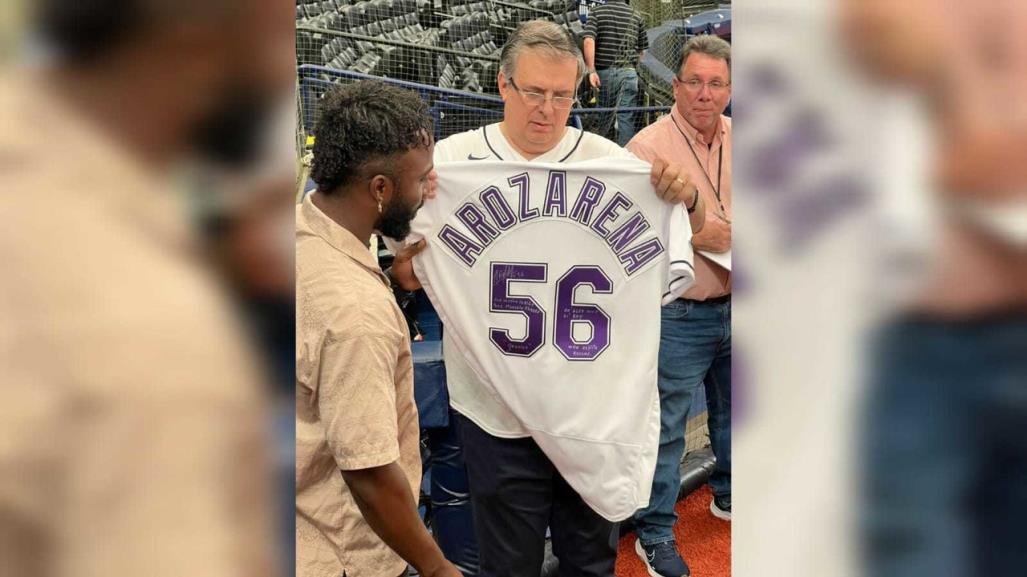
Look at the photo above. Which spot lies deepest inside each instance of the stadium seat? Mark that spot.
(331, 21)
(388, 26)
(456, 29)
(313, 10)
(481, 21)
(328, 6)
(411, 19)
(467, 24)
(404, 30)
(380, 9)
(469, 80)
(442, 67)
(390, 63)
(328, 53)
(341, 62)
(305, 38)
(473, 24)
(374, 29)
(367, 63)
(408, 35)
(359, 15)
(345, 18)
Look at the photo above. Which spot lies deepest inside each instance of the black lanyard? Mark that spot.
(720, 164)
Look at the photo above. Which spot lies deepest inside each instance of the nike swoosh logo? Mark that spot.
(472, 157)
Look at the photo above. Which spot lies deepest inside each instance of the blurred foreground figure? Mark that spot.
(945, 433)
(131, 412)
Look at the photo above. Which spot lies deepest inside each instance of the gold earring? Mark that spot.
(379, 205)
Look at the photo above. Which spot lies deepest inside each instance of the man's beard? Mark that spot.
(394, 221)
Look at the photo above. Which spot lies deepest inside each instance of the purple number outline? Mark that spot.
(592, 308)
(496, 332)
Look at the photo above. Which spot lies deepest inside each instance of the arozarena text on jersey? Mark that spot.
(492, 216)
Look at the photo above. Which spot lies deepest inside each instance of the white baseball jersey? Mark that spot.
(550, 279)
(466, 394)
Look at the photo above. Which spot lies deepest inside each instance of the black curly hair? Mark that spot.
(362, 122)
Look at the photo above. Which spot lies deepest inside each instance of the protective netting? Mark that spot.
(448, 50)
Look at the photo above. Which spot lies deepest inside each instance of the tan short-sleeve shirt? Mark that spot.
(354, 397)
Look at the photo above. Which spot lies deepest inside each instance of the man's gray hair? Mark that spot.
(708, 44)
(542, 35)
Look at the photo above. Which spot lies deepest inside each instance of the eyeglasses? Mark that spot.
(696, 85)
(538, 99)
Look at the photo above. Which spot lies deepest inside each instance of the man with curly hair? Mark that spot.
(355, 409)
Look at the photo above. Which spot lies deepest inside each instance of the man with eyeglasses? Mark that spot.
(516, 490)
(695, 333)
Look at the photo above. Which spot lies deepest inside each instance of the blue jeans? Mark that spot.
(943, 450)
(619, 89)
(695, 349)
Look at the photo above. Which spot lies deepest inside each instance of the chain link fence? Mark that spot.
(669, 26)
(449, 51)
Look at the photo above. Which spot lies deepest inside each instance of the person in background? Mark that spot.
(614, 41)
(695, 332)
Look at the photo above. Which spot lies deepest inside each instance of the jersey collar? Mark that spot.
(503, 150)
